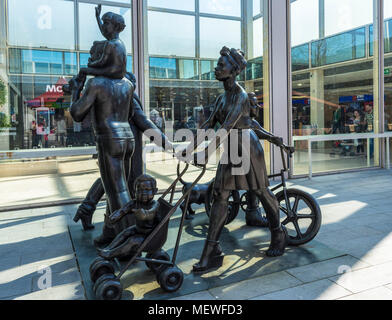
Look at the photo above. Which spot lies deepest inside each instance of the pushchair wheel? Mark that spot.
(171, 279)
(99, 267)
(104, 277)
(109, 289)
(158, 255)
(244, 201)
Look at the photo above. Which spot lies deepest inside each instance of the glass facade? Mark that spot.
(180, 84)
(333, 71)
(333, 85)
(388, 70)
(46, 44)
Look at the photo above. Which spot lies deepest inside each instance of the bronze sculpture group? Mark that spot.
(118, 123)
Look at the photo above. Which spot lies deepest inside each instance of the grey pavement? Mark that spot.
(38, 259)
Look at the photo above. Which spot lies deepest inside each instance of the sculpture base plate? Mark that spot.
(244, 248)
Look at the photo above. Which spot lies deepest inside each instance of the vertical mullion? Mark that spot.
(378, 75)
(197, 29)
(279, 74)
(289, 85)
(139, 45)
(244, 29)
(76, 24)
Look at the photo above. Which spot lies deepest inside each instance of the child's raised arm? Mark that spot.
(97, 15)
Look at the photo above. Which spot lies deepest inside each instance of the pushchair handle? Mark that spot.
(288, 149)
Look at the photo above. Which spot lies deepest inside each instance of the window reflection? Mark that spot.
(41, 23)
(176, 104)
(304, 21)
(343, 47)
(42, 62)
(216, 33)
(45, 111)
(89, 31)
(207, 69)
(346, 15)
(173, 4)
(227, 7)
(171, 34)
(334, 93)
(83, 60)
(300, 57)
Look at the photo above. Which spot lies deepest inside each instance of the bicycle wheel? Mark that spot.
(234, 203)
(304, 219)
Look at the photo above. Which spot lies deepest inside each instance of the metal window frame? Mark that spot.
(280, 74)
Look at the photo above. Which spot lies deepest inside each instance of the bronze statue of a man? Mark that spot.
(110, 102)
(139, 124)
(232, 110)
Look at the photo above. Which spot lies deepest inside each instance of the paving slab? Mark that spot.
(16, 287)
(71, 291)
(244, 249)
(364, 279)
(380, 293)
(327, 268)
(201, 295)
(255, 287)
(389, 286)
(318, 290)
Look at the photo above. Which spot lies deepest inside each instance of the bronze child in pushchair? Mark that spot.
(145, 209)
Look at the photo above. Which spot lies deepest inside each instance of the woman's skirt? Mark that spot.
(242, 165)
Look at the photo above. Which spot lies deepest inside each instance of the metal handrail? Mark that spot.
(348, 136)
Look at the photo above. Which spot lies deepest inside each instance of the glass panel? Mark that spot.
(304, 21)
(339, 48)
(300, 57)
(172, 103)
(170, 68)
(120, 1)
(343, 155)
(40, 115)
(254, 69)
(227, 7)
(129, 63)
(335, 98)
(89, 31)
(42, 62)
(167, 38)
(387, 69)
(41, 23)
(258, 37)
(164, 68)
(207, 69)
(83, 60)
(216, 33)
(173, 4)
(256, 7)
(387, 37)
(347, 14)
(70, 63)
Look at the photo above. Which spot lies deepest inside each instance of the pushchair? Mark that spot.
(107, 285)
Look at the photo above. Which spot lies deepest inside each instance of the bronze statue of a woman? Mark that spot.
(232, 111)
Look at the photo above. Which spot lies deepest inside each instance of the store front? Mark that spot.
(338, 80)
(48, 41)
